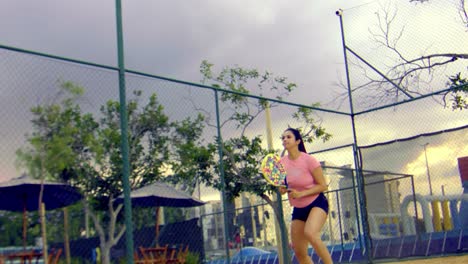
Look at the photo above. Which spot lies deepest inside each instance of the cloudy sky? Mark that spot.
(299, 39)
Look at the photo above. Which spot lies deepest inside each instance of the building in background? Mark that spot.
(212, 222)
(382, 198)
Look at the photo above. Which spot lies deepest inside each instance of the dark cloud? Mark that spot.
(171, 38)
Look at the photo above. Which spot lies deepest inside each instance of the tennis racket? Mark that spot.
(273, 171)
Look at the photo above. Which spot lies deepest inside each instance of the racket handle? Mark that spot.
(283, 189)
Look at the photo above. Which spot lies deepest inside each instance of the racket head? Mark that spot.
(273, 171)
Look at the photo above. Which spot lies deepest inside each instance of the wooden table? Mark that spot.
(23, 256)
(156, 255)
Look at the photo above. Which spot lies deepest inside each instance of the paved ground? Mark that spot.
(463, 259)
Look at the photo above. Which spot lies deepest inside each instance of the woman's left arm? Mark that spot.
(320, 186)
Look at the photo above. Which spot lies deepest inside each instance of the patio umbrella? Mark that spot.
(22, 194)
(159, 194)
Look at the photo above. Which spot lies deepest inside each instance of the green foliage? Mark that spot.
(86, 151)
(55, 223)
(191, 158)
(60, 133)
(237, 79)
(241, 166)
(458, 95)
(174, 214)
(311, 130)
(192, 258)
(11, 228)
(242, 154)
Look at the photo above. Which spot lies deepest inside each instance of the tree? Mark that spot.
(458, 98)
(243, 152)
(410, 73)
(87, 154)
(192, 159)
(10, 228)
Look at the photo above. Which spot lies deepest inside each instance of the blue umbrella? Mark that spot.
(22, 194)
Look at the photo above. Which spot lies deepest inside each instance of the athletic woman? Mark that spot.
(306, 185)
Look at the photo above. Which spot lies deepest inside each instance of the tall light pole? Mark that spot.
(434, 204)
(427, 169)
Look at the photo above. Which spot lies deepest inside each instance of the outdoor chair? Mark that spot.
(155, 255)
(54, 256)
(181, 257)
(137, 259)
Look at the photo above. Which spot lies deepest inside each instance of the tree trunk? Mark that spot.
(66, 238)
(111, 239)
(105, 253)
(279, 238)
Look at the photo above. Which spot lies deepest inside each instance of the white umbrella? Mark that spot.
(160, 194)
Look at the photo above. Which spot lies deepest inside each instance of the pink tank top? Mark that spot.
(299, 177)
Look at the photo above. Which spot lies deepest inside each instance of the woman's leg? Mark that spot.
(300, 242)
(312, 231)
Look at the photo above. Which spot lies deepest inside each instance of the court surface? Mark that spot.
(463, 259)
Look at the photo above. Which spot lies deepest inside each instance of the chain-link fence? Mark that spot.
(393, 165)
(395, 62)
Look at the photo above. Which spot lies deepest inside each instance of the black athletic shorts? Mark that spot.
(303, 213)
